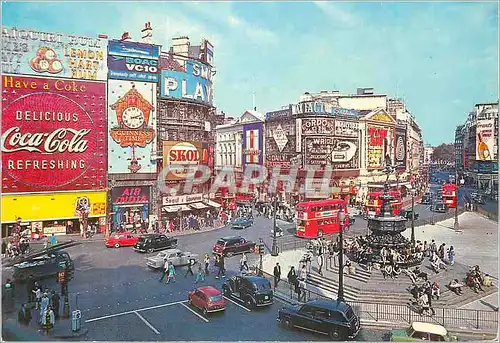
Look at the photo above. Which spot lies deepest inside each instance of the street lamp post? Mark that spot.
(274, 249)
(340, 294)
(456, 225)
(413, 191)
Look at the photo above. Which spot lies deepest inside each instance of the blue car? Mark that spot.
(242, 223)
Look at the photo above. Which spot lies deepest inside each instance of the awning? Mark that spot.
(171, 209)
(185, 208)
(212, 203)
(198, 205)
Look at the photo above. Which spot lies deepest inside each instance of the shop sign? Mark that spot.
(298, 130)
(320, 108)
(132, 68)
(56, 230)
(280, 114)
(53, 134)
(253, 139)
(346, 128)
(132, 127)
(318, 126)
(279, 160)
(133, 49)
(377, 146)
(193, 83)
(280, 137)
(130, 195)
(179, 156)
(342, 153)
(48, 54)
(182, 199)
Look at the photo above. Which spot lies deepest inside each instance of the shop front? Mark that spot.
(176, 209)
(47, 213)
(130, 208)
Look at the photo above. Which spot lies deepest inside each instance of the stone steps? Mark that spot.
(329, 287)
(362, 275)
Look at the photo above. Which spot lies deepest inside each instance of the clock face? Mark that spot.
(133, 117)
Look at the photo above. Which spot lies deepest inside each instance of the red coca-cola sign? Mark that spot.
(53, 134)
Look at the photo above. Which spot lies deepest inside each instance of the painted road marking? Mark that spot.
(133, 311)
(196, 313)
(147, 323)
(234, 302)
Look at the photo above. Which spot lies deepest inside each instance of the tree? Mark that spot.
(444, 153)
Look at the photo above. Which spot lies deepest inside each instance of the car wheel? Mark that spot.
(190, 302)
(320, 233)
(286, 322)
(150, 250)
(249, 303)
(229, 254)
(205, 311)
(226, 291)
(117, 245)
(335, 334)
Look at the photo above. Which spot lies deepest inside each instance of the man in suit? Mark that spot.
(277, 274)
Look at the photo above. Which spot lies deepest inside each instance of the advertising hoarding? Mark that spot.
(132, 68)
(253, 139)
(281, 144)
(345, 128)
(318, 126)
(132, 127)
(53, 134)
(182, 155)
(341, 153)
(400, 149)
(133, 49)
(485, 140)
(320, 108)
(49, 54)
(279, 114)
(378, 146)
(130, 195)
(192, 82)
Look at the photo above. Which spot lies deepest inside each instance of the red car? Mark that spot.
(208, 299)
(122, 239)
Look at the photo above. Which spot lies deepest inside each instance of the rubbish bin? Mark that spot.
(76, 320)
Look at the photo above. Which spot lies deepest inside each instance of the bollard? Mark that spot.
(76, 320)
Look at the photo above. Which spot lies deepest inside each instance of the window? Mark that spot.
(420, 335)
(307, 310)
(322, 314)
(337, 316)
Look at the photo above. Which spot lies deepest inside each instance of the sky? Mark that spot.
(442, 57)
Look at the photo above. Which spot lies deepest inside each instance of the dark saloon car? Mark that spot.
(329, 317)
(154, 241)
(426, 199)
(254, 291)
(233, 245)
(408, 214)
(242, 223)
(439, 206)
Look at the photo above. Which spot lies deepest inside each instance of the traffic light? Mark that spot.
(261, 248)
(69, 275)
(61, 277)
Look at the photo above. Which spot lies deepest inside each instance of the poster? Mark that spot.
(377, 146)
(181, 155)
(341, 153)
(53, 134)
(485, 140)
(51, 54)
(400, 149)
(253, 144)
(132, 127)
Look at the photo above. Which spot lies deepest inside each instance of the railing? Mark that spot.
(451, 318)
(434, 218)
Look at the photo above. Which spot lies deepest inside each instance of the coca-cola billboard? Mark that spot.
(53, 134)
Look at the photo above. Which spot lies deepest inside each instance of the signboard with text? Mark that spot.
(378, 146)
(53, 134)
(50, 54)
(341, 153)
(132, 68)
(253, 143)
(133, 49)
(130, 195)
(179, 156)
(400, 149)
(485, 140)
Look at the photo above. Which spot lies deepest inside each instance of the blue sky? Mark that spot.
(442, 57)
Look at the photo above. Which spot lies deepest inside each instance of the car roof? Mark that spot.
(430, 328)
(151, 235)
(228, 238)
(209, 290)
(257, 279)
(169, 251)
(330, 304)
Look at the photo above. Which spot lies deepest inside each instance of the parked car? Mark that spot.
(254, 291)
(208, 299)
(408, 214)
(175, 256)
(154, 241)
(419, 331)
(426, 199)
(122, 239)
(233, 245)
(242, 223)
(439, 206)
(329, 317)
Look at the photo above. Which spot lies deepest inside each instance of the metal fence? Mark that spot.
(400, 314)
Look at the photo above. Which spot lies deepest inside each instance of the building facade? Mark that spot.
(54, 144)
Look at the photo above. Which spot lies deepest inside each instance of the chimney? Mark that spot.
(126, 37)
(147, 33)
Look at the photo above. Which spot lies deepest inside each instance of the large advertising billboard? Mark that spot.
(400, 149)
(53, 134)
(132, 127)
(253, 140)
(190, 81)
(133, 49)
(341, 153)
(485, 141)
(132, 68)
(378, 146)
(318, 126)
(281, 144)
(179, 156)
(49, 54)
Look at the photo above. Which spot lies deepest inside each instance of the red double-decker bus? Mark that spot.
(373, 204)
(449, 191)
(318, 218)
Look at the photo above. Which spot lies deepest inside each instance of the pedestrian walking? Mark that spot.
(44, 303)
(277, 274)
(53, 240)
(441, 251)
(222, 269)
(200, 275)
(165, 271)
(216, 265)
(244, 263)
(48, 320)
(320, 264)
(190, 265)
(171, 273)
(207, 264)
(37, 295)
(24, 315)
(451, 255)
(433, 247)
(55, 304)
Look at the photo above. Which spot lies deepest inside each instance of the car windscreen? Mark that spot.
(350, 313)
(215, 298)
(262, 286)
